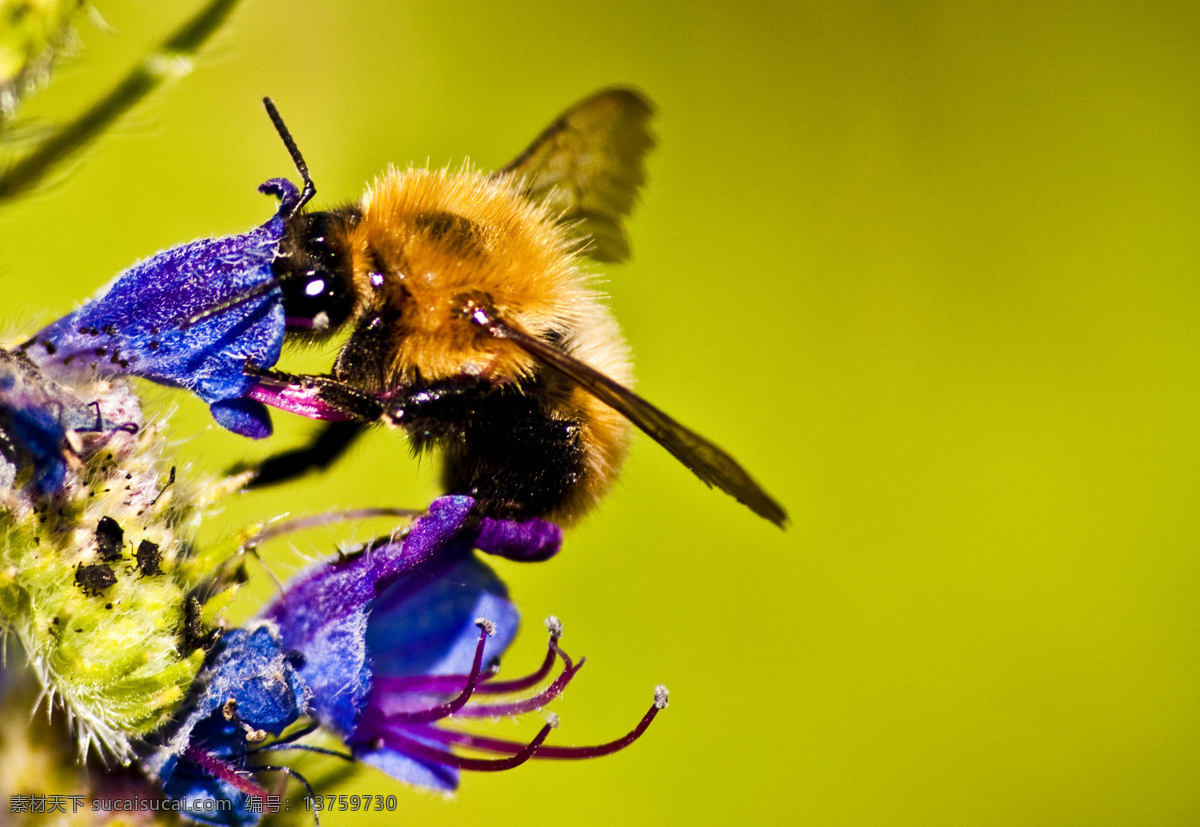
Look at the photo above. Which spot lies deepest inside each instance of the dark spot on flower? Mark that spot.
(195, 636)
(50, 348)
(94, 578)
(153, 344)
(111, 330)
(89, 331)
(149, 558)
(108, 605)
(100, 351)
(110, 539)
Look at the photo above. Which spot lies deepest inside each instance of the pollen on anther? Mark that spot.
(254, 736)
(661, 696)
(552, 720)
(488, 627)
(554, 627)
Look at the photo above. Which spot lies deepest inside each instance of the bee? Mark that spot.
(469, 319)
(473, 327)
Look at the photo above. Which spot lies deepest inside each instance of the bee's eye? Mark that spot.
(318, 290)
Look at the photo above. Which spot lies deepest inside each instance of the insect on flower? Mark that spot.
(471, 324)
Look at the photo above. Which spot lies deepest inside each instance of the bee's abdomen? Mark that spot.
(507, 447)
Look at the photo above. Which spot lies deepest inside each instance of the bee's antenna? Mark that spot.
(309, 188)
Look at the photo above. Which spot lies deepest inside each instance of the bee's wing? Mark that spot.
(707, 461)
(588, 166)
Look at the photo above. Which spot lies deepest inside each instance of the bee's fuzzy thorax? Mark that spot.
(429, 237)
(437, 235)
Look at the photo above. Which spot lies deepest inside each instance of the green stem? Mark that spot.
(170, 60)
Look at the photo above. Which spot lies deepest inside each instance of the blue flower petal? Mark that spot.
(410, 770)
(149, 321)
(526, 541)
(425, 623)
(245, 417)
(324, 613)
(255, 671)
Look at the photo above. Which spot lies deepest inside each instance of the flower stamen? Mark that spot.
(534, 678)
(520, 753)
(531, 703)
(486, 630)
(480, 742)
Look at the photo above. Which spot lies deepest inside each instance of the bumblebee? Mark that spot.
(472, 325)
(465, 302)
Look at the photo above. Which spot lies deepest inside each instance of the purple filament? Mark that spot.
(451, 683)
(221, 771)
(530, 704)
(398, 741)
(517, 684)
(450, 707)
(564, 753)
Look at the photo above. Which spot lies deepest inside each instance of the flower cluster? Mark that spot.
(99, 579)
(119, 614)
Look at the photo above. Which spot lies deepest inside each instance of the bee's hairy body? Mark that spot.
(518, 437)
(472, 324)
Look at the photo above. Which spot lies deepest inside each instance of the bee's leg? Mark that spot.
(330, 443)
(315, 397)
(347, 409)
(440, 410)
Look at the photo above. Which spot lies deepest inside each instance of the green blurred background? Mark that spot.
(930, 272)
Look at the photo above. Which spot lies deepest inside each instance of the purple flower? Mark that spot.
(251, 689)
(159, 320)
(380, 646)
(395, 641)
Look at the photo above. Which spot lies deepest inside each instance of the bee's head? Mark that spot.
(315, 272)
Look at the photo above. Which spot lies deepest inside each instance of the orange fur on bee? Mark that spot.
(435, 236)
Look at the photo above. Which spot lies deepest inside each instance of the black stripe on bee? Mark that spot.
(461, 235)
